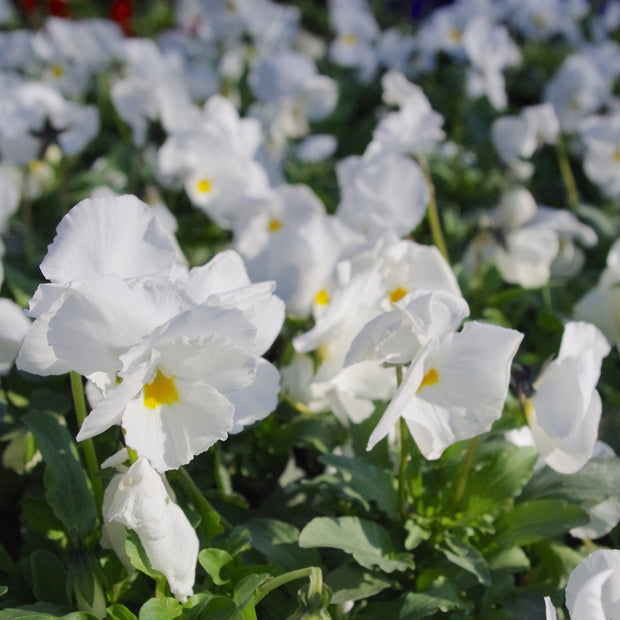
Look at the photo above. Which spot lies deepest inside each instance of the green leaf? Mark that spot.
(468, 558)
(501, 478)
(278, 542)
(244, 590)
(206, 606)
(352, 583)
(27, 613)
(67, 488)
(120, 612)
(139, 559)
(213, 561)
(3, 590)
(49, 577)
(422, 605)
(512, 560)
(368, 542)
(369, 481)
(416, 534)
(540, 519)
(595, 482)
(160, 609)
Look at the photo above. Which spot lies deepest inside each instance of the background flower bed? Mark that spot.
(481, 531)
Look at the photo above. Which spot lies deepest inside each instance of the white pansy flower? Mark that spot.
(140, 500)
(565, 408)
(601, 305)
(593, 588)
(454, 388)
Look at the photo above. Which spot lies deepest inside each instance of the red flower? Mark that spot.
(120, 11)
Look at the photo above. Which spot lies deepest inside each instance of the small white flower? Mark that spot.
(140, 500)
(565, 409)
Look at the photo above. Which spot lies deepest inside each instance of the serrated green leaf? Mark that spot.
(160, 609)
(369, 481)
(213, 561)
(368, 542)
(467, 557)
(67, 489)
(536, 520)
(278, 542)
(120, 612)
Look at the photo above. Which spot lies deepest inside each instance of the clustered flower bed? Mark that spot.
(310, 310)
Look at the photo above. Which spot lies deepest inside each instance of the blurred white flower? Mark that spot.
(381, 192)
(517, 137)
(601, 305)
(600, 136)
(577, 90)
(415, 127)
(13, 328)
(490, 50)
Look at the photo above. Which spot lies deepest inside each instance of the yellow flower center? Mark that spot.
(322, 297)
(398, 293)
(274, 225)
(430, 378)
(203, 186)
(35, 166)
(161, 391)
(455, 35)
(57, 71)
(528, 409)
(617, 156)
(540, 21)
(349, 38)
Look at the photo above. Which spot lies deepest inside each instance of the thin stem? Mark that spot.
(402, 469)
(461, 482)
(433, 212)
(316, 582)
(404, 455)
(572, 194)
(211, 521)
(88, 446)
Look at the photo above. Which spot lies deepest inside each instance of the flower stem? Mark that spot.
(433, 212)
(572, 194)
(461, 482)
(211, 521)
(88, 446)
(404, 455)
(313, 572)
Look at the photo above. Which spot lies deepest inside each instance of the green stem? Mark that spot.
(402, 469)
(433, 212)
(404, 455)
(313, 572)
(211, 521)
(222, 477)
(572, 194)
(88, 446)
(461, 482)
